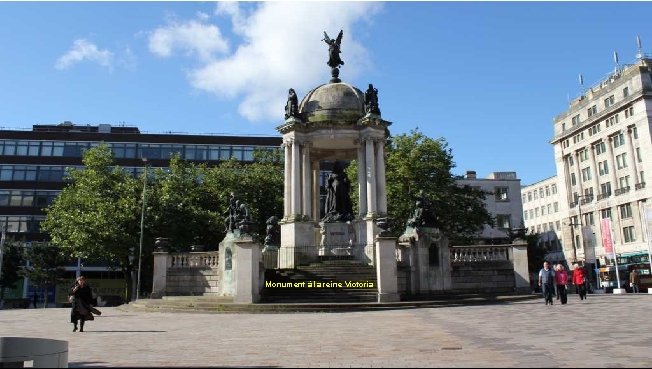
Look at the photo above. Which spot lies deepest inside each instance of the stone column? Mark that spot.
(247, 273)
(632, 155)
(386, 275)
(296, 180)
(315, 190)
(306, 188)
(362, 181)
(159, 282)
(596, 173)
(612, 166)
(371, 177)
(578, 175)
(287, 183)
(381, 191)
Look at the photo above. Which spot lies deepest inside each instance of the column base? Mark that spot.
(388, 297)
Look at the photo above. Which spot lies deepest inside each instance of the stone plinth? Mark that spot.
(386, 269)
(159, 283)
(426, 252)
(246, 269)
(297, 241)
(521, 273)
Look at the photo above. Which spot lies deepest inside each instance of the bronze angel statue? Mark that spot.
(334, 60)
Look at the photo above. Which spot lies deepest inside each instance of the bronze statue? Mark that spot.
(292, 106)
(231, 214)
(334, 60)
(338, 201)
(371, 100)
(273, 232)
(423, 215)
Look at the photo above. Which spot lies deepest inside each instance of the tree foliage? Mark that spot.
(97, 215)
(12, 263)
(45, 266)
(417, 163)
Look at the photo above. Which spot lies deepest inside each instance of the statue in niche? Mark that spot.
(292, 105)
(273, 232)
(334, 60)
(338, 199)
(423, 215)
(371, 100)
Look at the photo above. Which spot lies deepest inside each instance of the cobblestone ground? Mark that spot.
(602, 331)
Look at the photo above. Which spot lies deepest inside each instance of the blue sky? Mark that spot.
(489, 77)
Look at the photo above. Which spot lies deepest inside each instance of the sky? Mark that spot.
(488, 77)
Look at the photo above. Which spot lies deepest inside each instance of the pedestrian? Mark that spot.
(634, 281)
(35, 299)
(561, 281)
(579, 280)
(547, 282)
(81, 298)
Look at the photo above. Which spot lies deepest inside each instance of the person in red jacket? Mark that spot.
(561, 280)
(579, 280)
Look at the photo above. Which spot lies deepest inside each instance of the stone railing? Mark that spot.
(621, 191)
(193, 260)
(479, 253)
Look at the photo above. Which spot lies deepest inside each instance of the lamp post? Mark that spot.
(591, 263)
(142, 228)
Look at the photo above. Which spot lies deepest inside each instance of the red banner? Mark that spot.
(607, 242)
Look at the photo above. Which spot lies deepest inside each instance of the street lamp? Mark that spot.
(142, 228)
(593, 274)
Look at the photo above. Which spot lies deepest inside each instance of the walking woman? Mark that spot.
(561, 280)
(82, 298)
(579, 280)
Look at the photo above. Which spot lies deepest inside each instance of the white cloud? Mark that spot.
(84, 50)
(193, 37)
(280, 48)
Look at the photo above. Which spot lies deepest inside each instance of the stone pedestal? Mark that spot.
(270, 257)
(247, 273)
(386, 269)
(518, 255)
(159, 282)
(297, 242)
(426, 252)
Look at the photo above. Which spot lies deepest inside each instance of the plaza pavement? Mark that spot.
(602, 331)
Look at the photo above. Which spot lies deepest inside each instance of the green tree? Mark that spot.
(12, 263)
(178, 206)
(97, 215)
(418, 163)
(45, 266)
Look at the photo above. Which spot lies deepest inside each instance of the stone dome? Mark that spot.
(335, 102)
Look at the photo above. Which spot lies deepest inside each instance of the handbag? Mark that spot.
(71, 298)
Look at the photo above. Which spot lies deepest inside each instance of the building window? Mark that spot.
(549, 206)
(523, 197)
(605, 213)
(575, 120)
(629, 112)
(525, 215)
(600, 148)
(541, 193)
(619, 139)
(594, 130)
(586, 174)
(625, 211)
(543, 210)
(621, 160)
(531, 214)
(592, 110)
(612, 120)
(642, 176)
(628, 234)
(624, 182)
(547, 190)
(529, 196)
(638, 155)
(609, 101)
(558, 225)
(625, 91)
(584, 155)
(555, 205)
(603, 168)
(605, 188)
(571, 162)
(588, 218)
(635, 132)
(563, 127)
(536, 212)
(573, 180)
(502, 193)
(554, 189)
(536, 194)
(503, 221)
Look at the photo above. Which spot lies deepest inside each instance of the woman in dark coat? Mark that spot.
(82, 299)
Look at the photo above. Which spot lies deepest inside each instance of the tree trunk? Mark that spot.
(130, 283)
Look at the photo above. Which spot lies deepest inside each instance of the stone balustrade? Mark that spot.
(193, 260)
(479, 253)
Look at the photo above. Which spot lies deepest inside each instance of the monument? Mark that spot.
(335, 122)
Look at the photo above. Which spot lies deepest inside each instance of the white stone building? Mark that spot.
(602, 146)
(543, 214)
(504, 202)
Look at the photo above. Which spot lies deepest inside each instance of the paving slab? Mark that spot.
(603, 331)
